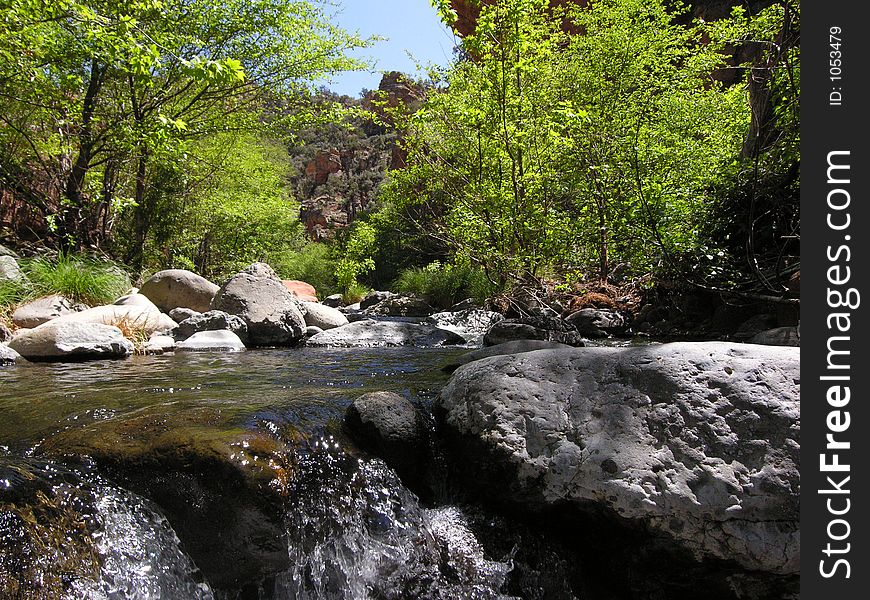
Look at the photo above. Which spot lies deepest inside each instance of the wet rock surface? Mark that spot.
(698, 442)
(211, 341)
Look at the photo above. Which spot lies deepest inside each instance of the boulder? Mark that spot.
(9, 270)
(309, 331)
(174, 288)
(515, 347)
(257, 295)
(754, 325)
(389, 426)
(334, 301)
(211, 341)
(325, 317)
(8, 356)
(182, 313)
(213, 320)
(695, 442)
(472, 323)
(135, 299)
(374, 298)
(57, 340)
(552, 329)
(370, 334)
(598, 322)
(146, 318)
(4, 251)
(45, 309)
(400, 306)
(300, 289)
(780, 336)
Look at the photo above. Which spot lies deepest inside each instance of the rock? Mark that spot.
(300, 289)
(135, 299)
(334, 301)
(781, 336)
(146, 318)
(159, 344)
(374, 298)
(8, 356)
(265, 304)
(213, 320)
(754, 325)
(9, 270)
(696, 442)
(211, 341)
(471, 323)
(42, 310)
(4, 251)
(5, 333)
(400, 306)
(182, 314)
(174, 288)
(597, 322)
(390, 427)
(532, 328)
(325, 317)
(370, 334)
(310, 331)
(57, 340)
(515, 347)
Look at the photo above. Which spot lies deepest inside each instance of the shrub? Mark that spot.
(313, 264)
(443, 285)
(78, 278)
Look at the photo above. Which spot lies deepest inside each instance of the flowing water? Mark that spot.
(346, 527)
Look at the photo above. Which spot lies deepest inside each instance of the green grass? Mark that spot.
(78, 278)
(443, 285)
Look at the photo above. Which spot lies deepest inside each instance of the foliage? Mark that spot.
(549, 152)
(444, 285)
(313, 263)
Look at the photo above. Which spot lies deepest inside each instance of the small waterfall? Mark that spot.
(74, 536)
(354, 532)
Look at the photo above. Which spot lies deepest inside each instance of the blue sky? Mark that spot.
(410, 26)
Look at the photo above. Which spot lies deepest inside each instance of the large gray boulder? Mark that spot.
(9, 270)
(42, 310)
(145, 318)
(696, 441)
(322, 316)
(58, 341)
(8, 356)
(270, 311)
(211, 341)
(213, 320)
(371, 334)
(179, 288)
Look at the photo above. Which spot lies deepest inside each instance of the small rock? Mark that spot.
(158, 344)
(533, 328)
(213, 320)
(4, 251)
(8, 356)
(174, 288)
(57, 340)
(374, 298)
(9, 270)
(300, 289)
(322, 316)
(135, 299)
(597, 322)
(781, 336)
(333, 301)
(400, 306)
(472, 324)
(311, 330)
(182, 313)
(5, 333)
(211, 341)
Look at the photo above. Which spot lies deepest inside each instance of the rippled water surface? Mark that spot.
(305, 387)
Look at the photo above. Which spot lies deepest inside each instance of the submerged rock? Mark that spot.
(698, 442)
(71, 341)
(370, 334)
(42, 310)
(179, 288)
(211, 341)
(270, 311)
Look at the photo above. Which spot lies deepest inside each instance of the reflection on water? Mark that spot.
(304, 387)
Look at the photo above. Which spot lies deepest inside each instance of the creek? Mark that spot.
(226, 476)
